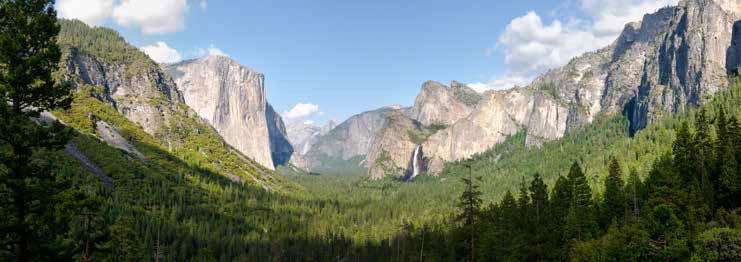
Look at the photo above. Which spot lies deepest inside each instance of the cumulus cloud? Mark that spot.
(152, 17)
(211, 50)
(160, 52)
(301, 111)
(610, 16)
(531, 46)
(203, 4)
(92, 13)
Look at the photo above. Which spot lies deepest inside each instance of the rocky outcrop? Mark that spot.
(135, 90)
(113, 138)
(442, 105)
(232, 99)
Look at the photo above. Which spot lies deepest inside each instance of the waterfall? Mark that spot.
(415, 161)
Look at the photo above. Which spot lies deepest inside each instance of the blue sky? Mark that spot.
(343, 57)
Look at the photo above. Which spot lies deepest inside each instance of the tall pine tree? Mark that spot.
(613, 201)
(540, 219)
(635, 196)
(560, 203)
(580, 224)
(29, 56)
(469, 215)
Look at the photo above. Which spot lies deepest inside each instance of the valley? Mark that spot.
(631, 152)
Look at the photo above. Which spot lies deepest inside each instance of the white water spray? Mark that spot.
(415, 161)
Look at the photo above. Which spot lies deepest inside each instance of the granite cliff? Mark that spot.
(232, 99)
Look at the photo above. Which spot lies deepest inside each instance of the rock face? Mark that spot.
(690, 62)
(672, 59)
(232, 99)
(391, 145)
(438, 104)
(281, 149)
(136, 95)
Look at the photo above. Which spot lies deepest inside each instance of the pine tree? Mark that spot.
(613, 205)
(523, 224)
(635, 196)
(580, 224)
(704, 156)
(560, 203)
(683, 150)
(727, 177)
(508, 226)
(541, 218)
(28, 57)
(469, 205)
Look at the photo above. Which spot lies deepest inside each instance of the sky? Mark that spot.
(331, 59)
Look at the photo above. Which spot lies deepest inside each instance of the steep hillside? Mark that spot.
(114, 79)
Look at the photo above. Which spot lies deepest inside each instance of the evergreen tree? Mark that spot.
(613, 205)
(726, 164)
(29, 56)
(580, 224)
(560, 203)
(684, 150)
(635, 196)
(541, 218)
(508, 226)
(469, 205)
(523, 225)
(704, 156)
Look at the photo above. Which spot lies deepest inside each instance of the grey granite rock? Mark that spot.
(232, 99)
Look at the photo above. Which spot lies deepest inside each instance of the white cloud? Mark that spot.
(530, 46)
(160, 52)
(91, 12)
(504, 82)
(610, 16)
(309, 122)
(203, 4)
(211, 50)
(152, 17)
(301, 111)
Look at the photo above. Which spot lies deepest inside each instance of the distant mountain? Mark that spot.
(343, 148)
(303, 135)
(672, 59)
(232, 99)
